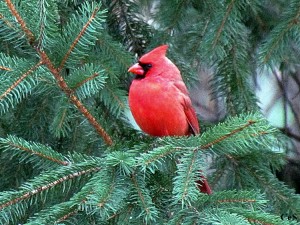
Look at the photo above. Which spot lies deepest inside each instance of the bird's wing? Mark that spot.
(191, 116)
(188, 108)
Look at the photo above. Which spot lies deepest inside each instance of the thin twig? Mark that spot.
(5, 68)
(85, 81)
(64, 163)
(208, 145)
(47, 186)
(17, 82)
(81, 33)
(75, 211)
(236, 200)
(141, 196)
(229, 8)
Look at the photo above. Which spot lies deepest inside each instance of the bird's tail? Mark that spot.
(203, 186)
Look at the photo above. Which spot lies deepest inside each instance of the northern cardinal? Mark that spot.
(159, 100)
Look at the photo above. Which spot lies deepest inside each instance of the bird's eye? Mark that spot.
(145, 66)
(148, 66)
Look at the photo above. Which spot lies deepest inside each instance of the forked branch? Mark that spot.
(73, 98)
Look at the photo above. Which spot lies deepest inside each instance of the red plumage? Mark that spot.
(159, 100)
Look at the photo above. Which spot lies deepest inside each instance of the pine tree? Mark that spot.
(69, 153)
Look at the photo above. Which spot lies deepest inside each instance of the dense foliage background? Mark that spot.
(70, 152)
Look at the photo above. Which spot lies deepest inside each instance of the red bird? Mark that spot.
(159, 100)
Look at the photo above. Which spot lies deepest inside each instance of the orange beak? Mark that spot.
(136, 69)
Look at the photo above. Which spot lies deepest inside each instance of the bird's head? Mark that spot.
(151, 61)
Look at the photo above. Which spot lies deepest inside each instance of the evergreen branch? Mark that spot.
(64, 113)
(222, 216)
(113, 198)
(237, 200)
(144, 198)
(46, 29)
(129, 27)
(85, 81)
(149, 159)
(42, 26)
(70, 94)
(106, 198)
(177, 13)
(63, 218)
(20, 20)
(113, 98)
(293, 22)
(60, 125)
(188, 175)
(247, 205)
(281, 195)
(229, 8)
(5, 68)
(260, 217)
(17, 82)
(153, 158)
(276, 42)
(1, 16)
(107, 194)
(59, 212)
(124, 160)
(140, 194)
(40, 189)
(62, 211)
(112, 52)
(257, 221)
(184, 182)
(42, 151)
(233, 197)
(120, 102)
(80, 35)
(208, 145)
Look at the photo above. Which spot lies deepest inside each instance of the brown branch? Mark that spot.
(255, 221)
(47, 186)
(81, 33)
(229, 8)
(73, 98)
(17, 82)
(5, 68)
(236, 200)
(208, 145)
(75, 211)
(153, 159)
(64, 163)
(20, 20)
(108, 193)
(129, 209)
(85, 81)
